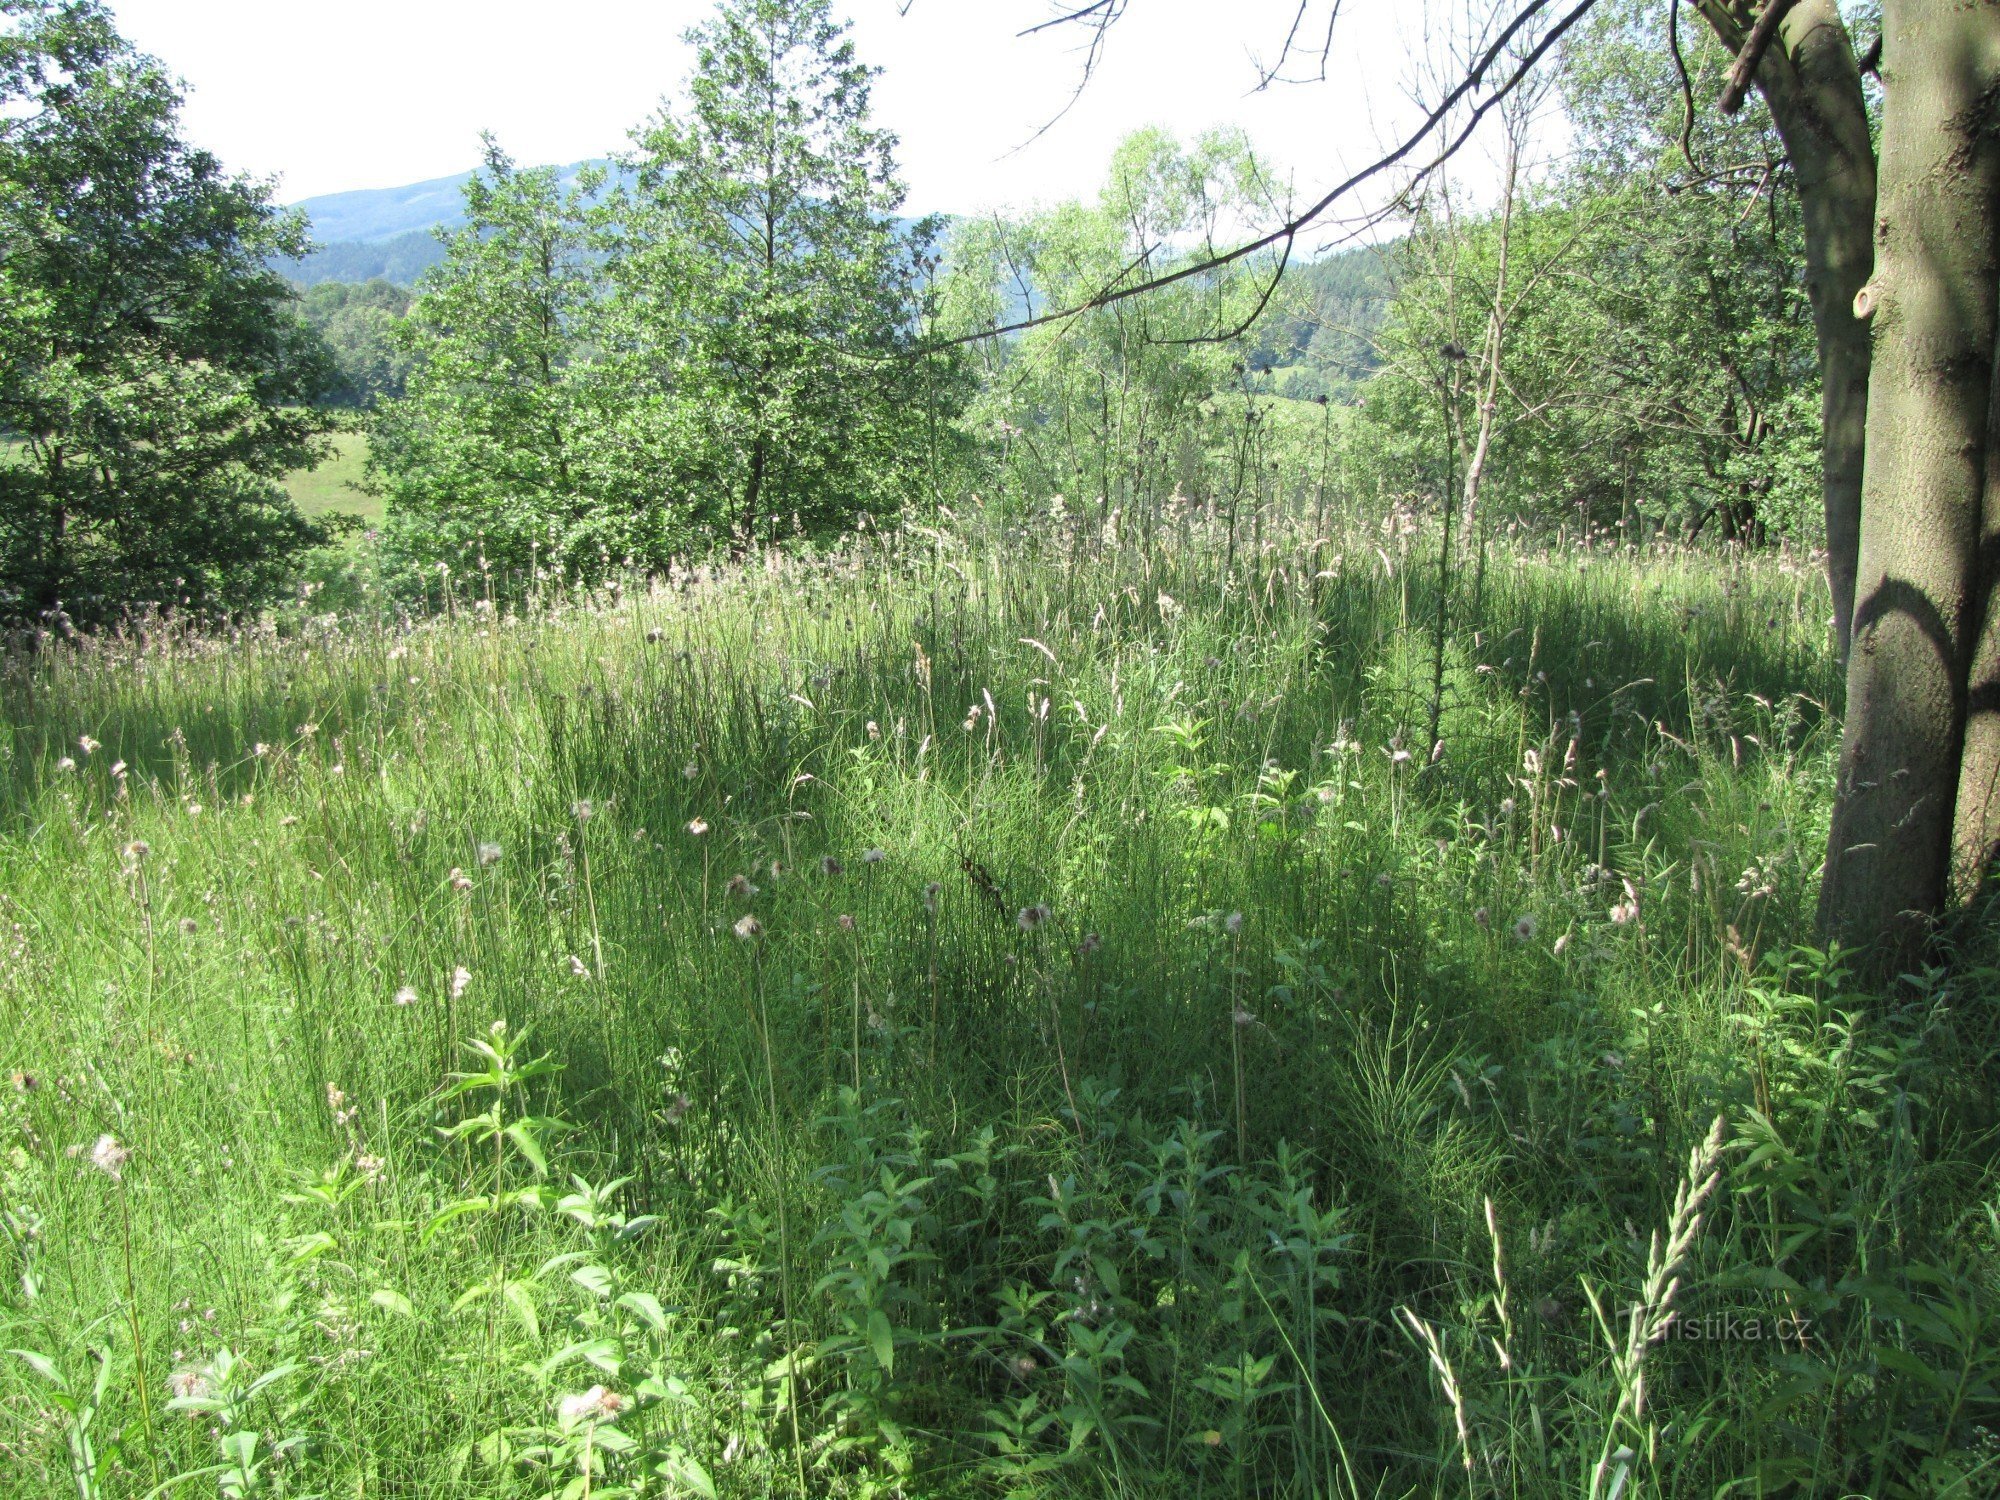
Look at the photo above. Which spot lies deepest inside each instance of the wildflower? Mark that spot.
(582, 809)
(461, 977)
(1233, 923)
(873, 857)
(460, 881)
(748, 927)
(498, 1028)
(698, 826)
(66, 764)
(874, 730)
(691, 770)
(24, 1083)
(260, 750)
(369, 1166)
(740, 887)
(488, 854)
(1524, 928)
(828, 865)
(109, 1157)
(1398, 757)
(931, 893)
(578, 968)
(1242, 1017)
(189, 926)
(677, 1108)
(87, 745)
(594, 1405)
(1481, 917)
(406, 996)
(1031, 917)
(136, 852)
(1090, 944)
(189, 1384)
(1025, 1365)
(655, 636)
(1506, 807)
(1625, 912)
(845, 922)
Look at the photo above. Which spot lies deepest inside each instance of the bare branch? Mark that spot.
(1288, 232)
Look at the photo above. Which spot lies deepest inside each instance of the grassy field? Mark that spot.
(1017, 1015)
(334, 487)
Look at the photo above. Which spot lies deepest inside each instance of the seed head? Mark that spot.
(748, 927)
(1030, 918)
(873, 857)
(406, 996)
(460, 978)
(740, 887)
(828, 865)
(109, 1157)
(489, 854)
(698, 826)
(1524, 927)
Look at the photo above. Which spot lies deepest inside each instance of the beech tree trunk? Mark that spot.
(1930, 397)
(1976, 835)
(1811, 80)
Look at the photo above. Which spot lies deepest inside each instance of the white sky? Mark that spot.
(376, 93)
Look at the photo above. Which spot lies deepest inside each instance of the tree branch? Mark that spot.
(1755, 45)
(1288, 231)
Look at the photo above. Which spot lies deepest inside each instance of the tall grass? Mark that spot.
(985, 1013)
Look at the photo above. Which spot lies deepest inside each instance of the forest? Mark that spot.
(697, 837)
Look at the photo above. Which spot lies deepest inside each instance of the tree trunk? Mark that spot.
(1811, 80)
(1976, 836)
(1929, 399)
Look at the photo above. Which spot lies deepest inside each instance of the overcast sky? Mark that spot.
(375, 93)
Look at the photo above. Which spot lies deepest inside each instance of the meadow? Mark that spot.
(990, 1011)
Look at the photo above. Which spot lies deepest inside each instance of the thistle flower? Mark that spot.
(1090, 944)
(1233, 923)
(1029, 918)
(845, 922)
(87, 745)
(677, 1108)
(698, 826)
(488, 853)
(931, 893)
(1524, 928)
(406, 996)
(189, 1384)
(578, 968)
(66, 764)
(828, 865)
(740, 887)
(748, 927)
(135, 853)
(109, 1157)
(460, 881)
(189, 927)
(691, 770)
(461, 977)
(873, 857)
(582, 809)
(594, 1405)
(1481, 917)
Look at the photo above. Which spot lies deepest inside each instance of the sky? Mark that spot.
(377, 93)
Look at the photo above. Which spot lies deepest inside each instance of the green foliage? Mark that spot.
(358, 325)
(565, 413)
(1659, 364)
(150, 366)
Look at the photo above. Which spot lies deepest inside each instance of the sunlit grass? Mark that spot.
(1049, 990)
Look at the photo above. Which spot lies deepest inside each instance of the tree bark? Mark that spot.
(1929, 406)
(1976, 835)
(1810, 79)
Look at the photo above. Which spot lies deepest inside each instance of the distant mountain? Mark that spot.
(386, 232)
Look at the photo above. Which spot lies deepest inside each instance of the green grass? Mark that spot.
(1024, 1018)
(334, 487)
